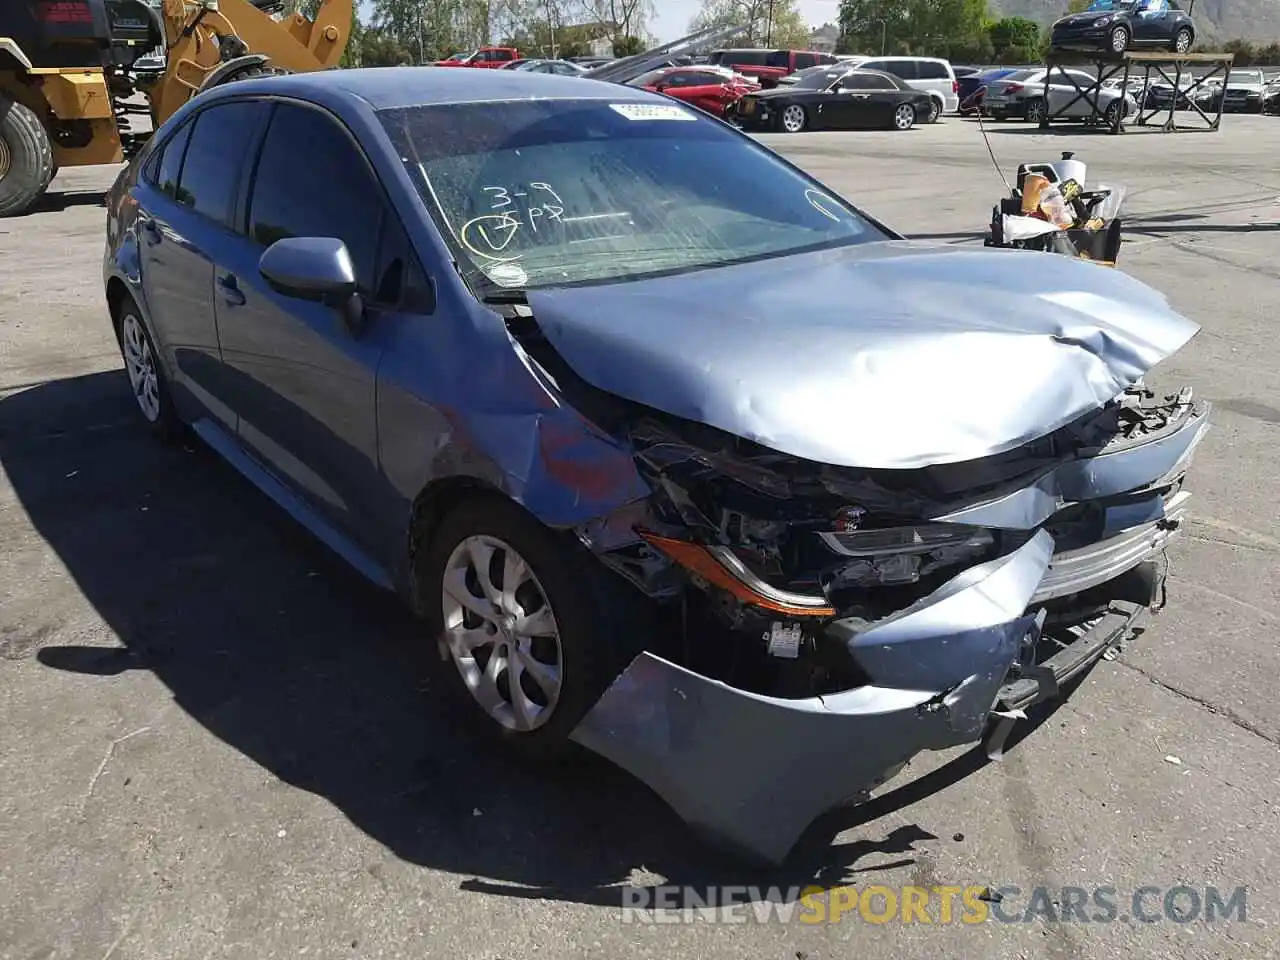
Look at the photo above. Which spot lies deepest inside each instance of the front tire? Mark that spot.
(527, 624)
(1118, 39)
(146, 375)
(26, 158)
(794, 118)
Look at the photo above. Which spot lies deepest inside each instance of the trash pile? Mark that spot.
(1050, 210)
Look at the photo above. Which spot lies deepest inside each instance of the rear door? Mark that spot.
(934, 77)
(183, 226)
(861, 101)
(304, 384)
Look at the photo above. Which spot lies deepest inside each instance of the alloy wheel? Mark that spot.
(1035, 111)
(1119, 39)
(935, 111)
(793, 118)
(904, 116)
(6, 158)
(140, 364)
(1182, 42)
(502, 633)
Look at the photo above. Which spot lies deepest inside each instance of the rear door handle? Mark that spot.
(229, 290)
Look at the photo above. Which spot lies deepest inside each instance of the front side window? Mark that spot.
(312, 181)
(554, 192)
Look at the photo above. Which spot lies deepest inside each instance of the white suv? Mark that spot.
(929, 75)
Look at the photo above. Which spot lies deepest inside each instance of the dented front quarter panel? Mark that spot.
(495, 422)
(753, 771)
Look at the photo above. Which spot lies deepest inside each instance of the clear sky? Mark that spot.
(673, 16)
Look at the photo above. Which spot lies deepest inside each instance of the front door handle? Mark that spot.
(229, 290)
(151, 232)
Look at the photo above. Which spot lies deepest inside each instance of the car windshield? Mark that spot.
(1246, 76)
(819, 79)
(540, 193)
(1104, 5)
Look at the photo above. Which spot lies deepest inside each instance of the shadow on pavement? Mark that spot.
(278, 650)
(54, 201)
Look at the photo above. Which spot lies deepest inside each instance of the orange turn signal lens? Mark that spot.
(718, 566)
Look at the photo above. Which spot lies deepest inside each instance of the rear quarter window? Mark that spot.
(933, 70)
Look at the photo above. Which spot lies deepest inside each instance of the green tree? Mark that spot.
(627, 46)
(1078, 6)
(1014, 40)
(949, 28)
(773, 23)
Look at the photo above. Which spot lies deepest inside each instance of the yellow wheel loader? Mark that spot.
(75, 74)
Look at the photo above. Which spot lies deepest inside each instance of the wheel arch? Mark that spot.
(429, 508)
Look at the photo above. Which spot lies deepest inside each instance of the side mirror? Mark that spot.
(317, 269)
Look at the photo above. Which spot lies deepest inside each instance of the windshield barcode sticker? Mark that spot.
(652, 111)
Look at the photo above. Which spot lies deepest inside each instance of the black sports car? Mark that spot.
(1119, 25)
(835, 100)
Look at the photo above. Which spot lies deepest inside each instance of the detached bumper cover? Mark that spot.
(754, 771)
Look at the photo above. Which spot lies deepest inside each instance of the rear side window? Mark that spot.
(170, 165)
(872, 65)
(906, 69)
(804, 60)
(312, 181)
(933, 70)
(221, 140)
(863, 81)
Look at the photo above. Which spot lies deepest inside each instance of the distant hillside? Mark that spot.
(1257, 21)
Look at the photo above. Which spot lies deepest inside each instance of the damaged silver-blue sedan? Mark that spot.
(679, 455)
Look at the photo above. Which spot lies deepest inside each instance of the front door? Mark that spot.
(303, 383)
(1151, 25)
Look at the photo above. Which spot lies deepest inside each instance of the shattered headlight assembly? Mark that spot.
(900, 555)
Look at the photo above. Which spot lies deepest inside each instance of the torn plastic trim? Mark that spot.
(939, 638)
(1072, 571)
(753, 771)
(1103, 475)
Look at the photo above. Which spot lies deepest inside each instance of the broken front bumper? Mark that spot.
(753, 771)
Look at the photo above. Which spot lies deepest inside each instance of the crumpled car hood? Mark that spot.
(889, 355)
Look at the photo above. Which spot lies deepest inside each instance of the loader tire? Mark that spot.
(26, 158)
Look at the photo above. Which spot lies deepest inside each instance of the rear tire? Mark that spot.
(147, 381)
(904, 117)
(26, 158)
(1182, 41)
(1037, 111)
(935, 111)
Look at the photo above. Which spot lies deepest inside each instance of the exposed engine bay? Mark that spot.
(776, 548)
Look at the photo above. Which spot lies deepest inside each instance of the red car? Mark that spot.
(488, 58)
(766, 66)
(708, 88)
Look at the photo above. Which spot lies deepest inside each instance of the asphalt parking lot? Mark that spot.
(215, 742)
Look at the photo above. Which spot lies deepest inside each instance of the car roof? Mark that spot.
(900, 58)
(385, 88)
